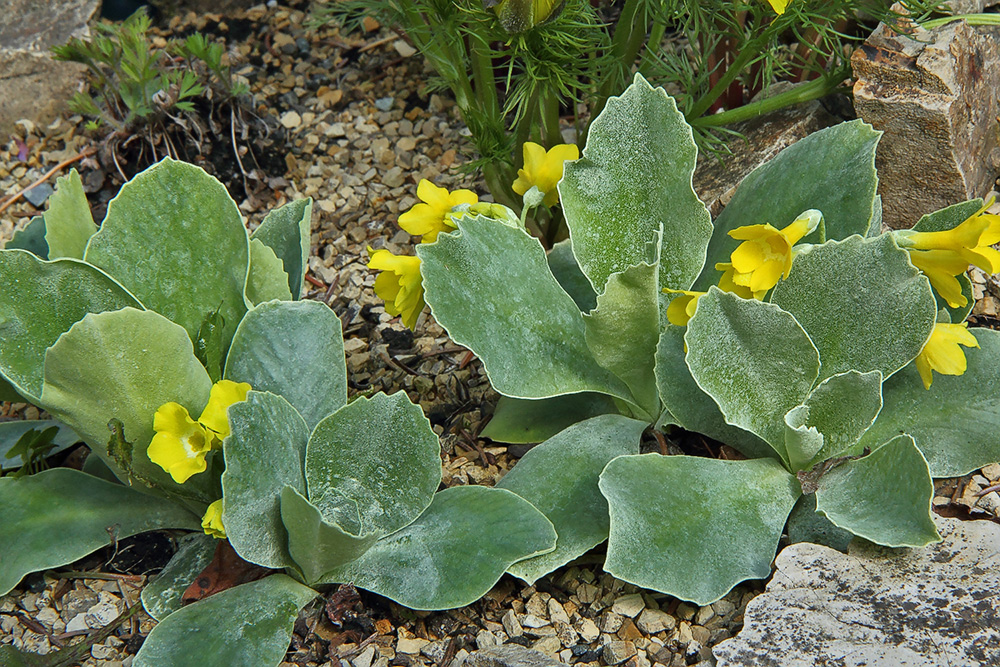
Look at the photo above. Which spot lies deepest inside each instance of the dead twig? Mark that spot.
(85, 153)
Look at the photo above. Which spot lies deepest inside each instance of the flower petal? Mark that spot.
(215, 416)
(211, 523)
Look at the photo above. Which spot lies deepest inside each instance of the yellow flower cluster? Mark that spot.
(943, 256)
(180, 444)
(400, 283)
(544, 169)
(764, 257)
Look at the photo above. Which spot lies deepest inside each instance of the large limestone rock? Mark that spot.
(878, 607)
(32, 84)
(935, 95)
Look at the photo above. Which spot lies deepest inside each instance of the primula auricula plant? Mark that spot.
(833, 356)
(170, 310)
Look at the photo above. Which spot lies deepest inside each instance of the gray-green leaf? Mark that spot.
(562, 263)
(753, 358)
(832, 170)
(162, 595)
(527, 331)
(694, 527)
(690, 407)
(175, 239)
(41, 300)
(250, 624)
(559, 477)
(379, 452)
(294, 350)
(68, 221)
(59, 515)
(884, 497)
(286, 231)
(841, 408)
(635, 178)
(455, 552)
(622, 332)
(124, 365)
(518, 420)
(317, 545)
(862, 303)
(264, 453)
(267, 279)
(955, 422)
(31, 237)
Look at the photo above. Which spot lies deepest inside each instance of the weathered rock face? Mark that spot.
(935, 96)
(878, 607)
(32, 84)
(715, 181)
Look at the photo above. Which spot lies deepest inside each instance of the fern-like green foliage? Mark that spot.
(135, 83)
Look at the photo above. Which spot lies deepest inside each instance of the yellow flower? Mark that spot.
(400, 284)
(215, 416)
(766, 253)
(431, 218)
(180, 443)
(726, 283)
(942, 353)
(211, 523)
(944, 255)
(779, 5)
(543, 170)
(941, 267)
(682, 308)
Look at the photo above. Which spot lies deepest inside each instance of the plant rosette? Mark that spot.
(790, 328)
(171, 309)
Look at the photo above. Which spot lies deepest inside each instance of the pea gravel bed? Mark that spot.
(350, 123)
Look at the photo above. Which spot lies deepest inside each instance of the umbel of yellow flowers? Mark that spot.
(942, 256)
(942, 353)
(430, 218)
(544, 169)
(400, 284)
(180, 444)
(766, 254)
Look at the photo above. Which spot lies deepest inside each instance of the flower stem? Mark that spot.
(804, 92)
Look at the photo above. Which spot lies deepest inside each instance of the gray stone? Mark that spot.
(900, 607)
(617, 652)
(934, 95)
(652, 621)
(509, 655)
(629, 605)
(39, 194)
(32, 84)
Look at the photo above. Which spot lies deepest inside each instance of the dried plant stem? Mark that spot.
(85, 153)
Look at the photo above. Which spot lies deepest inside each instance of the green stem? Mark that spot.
(499, 178)
(629, 37)
(484, 78)
(805, 92)
(972, 19)
(749, 52)
(550, 120)
(655, 37)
